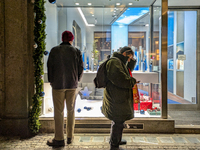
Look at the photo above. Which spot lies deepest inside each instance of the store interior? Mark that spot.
(101, 28)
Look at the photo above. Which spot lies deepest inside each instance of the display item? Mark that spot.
(142, 112)
(143, 66)
(150, 68)
(142, 97)
(89, 108)
(78, 110)
(85, 93)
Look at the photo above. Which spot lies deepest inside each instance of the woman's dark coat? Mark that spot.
(118, 95)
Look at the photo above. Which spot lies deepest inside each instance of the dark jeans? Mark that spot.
(116, 133)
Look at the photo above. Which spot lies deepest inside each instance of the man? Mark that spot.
(118, 95)
(65, 68)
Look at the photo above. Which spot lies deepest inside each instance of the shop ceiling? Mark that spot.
(105, 12)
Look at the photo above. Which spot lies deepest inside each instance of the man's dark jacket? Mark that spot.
(118, 94)
(65, 66)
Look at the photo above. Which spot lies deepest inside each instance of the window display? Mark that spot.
(98, 33)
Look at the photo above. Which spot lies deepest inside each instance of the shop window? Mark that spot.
(98, 33)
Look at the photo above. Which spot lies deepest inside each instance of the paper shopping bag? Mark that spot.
(136, 98)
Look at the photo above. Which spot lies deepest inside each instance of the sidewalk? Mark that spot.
(100, 141)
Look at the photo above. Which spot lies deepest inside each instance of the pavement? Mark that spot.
(100, 142)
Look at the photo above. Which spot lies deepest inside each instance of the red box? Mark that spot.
(143, 105)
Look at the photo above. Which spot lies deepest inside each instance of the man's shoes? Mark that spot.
(56, 143)
(123, 142)
(69, 140)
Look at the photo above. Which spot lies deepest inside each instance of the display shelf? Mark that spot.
(143, 77)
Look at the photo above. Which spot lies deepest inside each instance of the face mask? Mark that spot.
(126, 59)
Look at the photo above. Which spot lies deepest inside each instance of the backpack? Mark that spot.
(101, 79)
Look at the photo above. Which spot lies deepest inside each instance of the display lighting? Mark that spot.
(89, 4)
(131, 15)
(76, 3)
(130, 3)
(52, 1)
(117, 4)
(82, 15)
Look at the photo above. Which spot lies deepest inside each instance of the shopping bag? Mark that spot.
(136, 98)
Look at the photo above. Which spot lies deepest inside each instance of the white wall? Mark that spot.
(62, 22)
(190, 52)
(66, 17)
(51, 29)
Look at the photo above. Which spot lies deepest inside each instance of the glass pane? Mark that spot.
(182, 57)
(100, 31)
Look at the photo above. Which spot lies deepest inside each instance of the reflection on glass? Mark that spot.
(182, 57)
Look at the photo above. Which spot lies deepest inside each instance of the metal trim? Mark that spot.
(198, 62)
(164, 35)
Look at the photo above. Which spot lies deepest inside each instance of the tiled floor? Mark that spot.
(189, 118)
(100, 141)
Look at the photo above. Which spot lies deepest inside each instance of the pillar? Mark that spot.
(17, 73)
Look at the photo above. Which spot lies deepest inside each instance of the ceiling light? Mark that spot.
(89, 3)
(83, 17)
(147, 25)
(117, 3)
(114, 11)
(76, 3)
(93, 15)
(130, 3)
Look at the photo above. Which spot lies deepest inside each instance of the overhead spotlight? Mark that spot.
(52, 1)
(118, 4)
(93, 15)
(76, 3)
(89, 3)
(130, 3)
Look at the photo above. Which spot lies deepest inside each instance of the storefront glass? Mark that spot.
(182, 35)
(101, 29)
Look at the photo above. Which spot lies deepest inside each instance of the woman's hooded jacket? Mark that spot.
(118, 94)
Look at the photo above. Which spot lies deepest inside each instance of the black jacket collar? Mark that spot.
(65, 43)
(121, 57)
